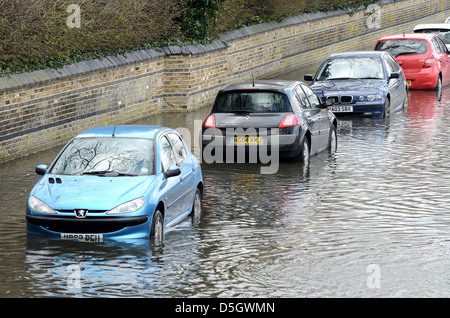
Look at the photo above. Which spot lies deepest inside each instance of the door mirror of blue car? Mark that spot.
(308, 77)
(41, 169)
(394, 75)
(172, 171)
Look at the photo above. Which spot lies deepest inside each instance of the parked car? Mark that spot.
(441, 29)
(116, 182)
(423, 57)
(362, 83)
(285, 116)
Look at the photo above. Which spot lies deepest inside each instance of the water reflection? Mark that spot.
(306, 231)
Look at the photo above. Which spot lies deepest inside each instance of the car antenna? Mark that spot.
(114, 131)
(253, 76)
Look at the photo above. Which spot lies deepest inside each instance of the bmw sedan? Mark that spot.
(282, 118)
(367, 83)
(116, 182)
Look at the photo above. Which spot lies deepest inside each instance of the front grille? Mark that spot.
(346, 99)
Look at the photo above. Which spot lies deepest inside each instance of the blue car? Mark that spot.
(366, 83)
(117, 182)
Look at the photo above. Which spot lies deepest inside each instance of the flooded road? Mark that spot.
(372, 220)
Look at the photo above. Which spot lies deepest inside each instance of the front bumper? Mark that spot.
(137, 226)
(373, 109)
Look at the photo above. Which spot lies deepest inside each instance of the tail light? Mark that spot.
(429, 62)
(210, 122)
(289, 121)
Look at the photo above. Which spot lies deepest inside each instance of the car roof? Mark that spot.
(273, 85)
(410, 36)
(130, 131)
(357, 54)
(432, 26)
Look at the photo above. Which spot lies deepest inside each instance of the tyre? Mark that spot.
(387, 108)
(303, 156)
(157, 229)
(196, 212)
(332, 140)
(438, 88)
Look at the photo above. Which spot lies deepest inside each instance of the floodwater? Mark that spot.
(372, 220)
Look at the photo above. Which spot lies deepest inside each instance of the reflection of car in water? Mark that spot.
(121, 181)
(362, 83)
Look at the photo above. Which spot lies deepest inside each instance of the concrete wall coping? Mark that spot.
(15, 81)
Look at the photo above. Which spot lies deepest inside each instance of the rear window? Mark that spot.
(252, 101)
(443, 33)
(403, 47)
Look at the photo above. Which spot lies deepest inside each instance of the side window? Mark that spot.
(437, 45)
(167, 154)
(301, 97)
(313, 99)
(178, 148)
(442, 45)
(392, 65)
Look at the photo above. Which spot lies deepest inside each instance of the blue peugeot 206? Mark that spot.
(117, 182)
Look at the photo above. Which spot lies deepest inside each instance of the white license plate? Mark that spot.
(341, 109)
(82, 237)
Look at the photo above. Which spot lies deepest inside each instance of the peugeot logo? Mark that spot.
(80, 214)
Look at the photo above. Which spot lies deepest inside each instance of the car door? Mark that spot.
(172, 187)
(187, 176)
(396, 86)
(319, 119)
(443, 59)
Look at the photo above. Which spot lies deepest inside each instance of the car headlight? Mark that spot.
(371, 98)
(39, 206)
(128, 207)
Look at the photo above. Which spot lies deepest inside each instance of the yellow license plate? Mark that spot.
(247, 140)
(408, 83)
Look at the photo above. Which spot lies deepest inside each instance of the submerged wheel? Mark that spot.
(157, 229)
(332, 140)
(303, 156)
(438, 88)
(196, 212)
(387, 108)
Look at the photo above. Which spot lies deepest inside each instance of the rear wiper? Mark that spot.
(406, 53)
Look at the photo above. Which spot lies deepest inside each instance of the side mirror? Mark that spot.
(172, 171)
(308, 77)
(394, 75)
(329, 102)
(41, 169)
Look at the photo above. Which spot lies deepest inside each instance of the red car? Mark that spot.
(423, 57)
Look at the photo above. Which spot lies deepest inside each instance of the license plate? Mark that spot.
(408, 83)
(341, 109)
(247, 140)
(82, 237)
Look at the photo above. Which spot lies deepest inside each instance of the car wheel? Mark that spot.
(157, 229)
(332, 140)
(197, 208)
(303, 156)
(387, 108)
(438, 88)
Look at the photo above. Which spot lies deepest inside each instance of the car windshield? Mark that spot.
(403, 47)
(251, 101)
(108, 156)
(351, 68)
(443, 33)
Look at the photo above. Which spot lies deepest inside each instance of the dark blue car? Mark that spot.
(366, 83)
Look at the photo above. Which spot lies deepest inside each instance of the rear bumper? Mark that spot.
(425, 79)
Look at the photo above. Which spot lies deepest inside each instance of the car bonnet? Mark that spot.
(90, 192)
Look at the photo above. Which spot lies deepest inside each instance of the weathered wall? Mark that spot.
(41, 109)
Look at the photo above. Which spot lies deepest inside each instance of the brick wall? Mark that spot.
(41, 109)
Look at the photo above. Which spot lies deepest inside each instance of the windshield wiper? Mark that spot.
(107, 174)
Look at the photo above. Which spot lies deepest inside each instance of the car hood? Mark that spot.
(90, 192)
(359, 85)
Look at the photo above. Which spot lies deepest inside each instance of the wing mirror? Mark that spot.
(172, 171)
(308, 77)
(329, 102)
(41, 169)
(394, 75)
